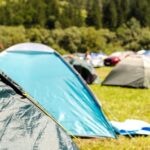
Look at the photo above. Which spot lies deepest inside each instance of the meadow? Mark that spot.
(119, 104)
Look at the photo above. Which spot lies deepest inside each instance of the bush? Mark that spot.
(133, 37)
(130, 36)
(12, 35)
(71, 39)
(144, 41)
(39, 35)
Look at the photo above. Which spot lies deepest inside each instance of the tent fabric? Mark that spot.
(30, 47)
(147, 53)
(24, 127)
(54, 85)
(134, 71)
(131, 127)
(86, 70)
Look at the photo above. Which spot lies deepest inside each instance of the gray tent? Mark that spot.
(134, 71)
(86, 71)
(23, 126)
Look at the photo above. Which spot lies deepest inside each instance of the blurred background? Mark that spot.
(71, 26)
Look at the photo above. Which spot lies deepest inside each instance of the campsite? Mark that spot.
(33, 101)
(119, 104)
(74, 74)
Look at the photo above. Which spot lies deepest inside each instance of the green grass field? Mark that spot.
(120, 104)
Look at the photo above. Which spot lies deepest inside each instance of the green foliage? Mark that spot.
(123, 10)
(65, 13)
(71, 39)
(39, 35)
(140, 10)
(12, 35)
(129, 36)
(133, 37)
(94, 16)
(51, 13)
(144, 41)
(75, 39)
(91, 40)
(110, 17)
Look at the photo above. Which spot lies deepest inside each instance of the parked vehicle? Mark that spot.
(116, 57)
(113, 59)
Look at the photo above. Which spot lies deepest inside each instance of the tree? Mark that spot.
(110, 14)
(123, 9)
(129, 34)
(141, 11)
(94, 16)
(52, 13)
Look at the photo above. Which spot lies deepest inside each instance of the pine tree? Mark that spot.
(123, 9)
(141, 11)
(110, 14)
(52, 13)
(94, 17)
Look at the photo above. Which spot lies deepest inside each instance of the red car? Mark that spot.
(114, 58)
(111, 61)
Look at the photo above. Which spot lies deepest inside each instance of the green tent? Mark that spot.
(134, 71)
(23, 126)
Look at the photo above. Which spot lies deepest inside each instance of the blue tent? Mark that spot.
(147, 53)
(56, 88)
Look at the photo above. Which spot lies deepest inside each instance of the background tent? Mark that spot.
(54, 85)
(97, 59)
(86, 70)
(134, 71)
(23, 126)
(147, 53)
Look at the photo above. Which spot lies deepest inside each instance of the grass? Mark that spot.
(120, 104)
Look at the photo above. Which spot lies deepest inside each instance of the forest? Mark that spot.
(113, 24)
